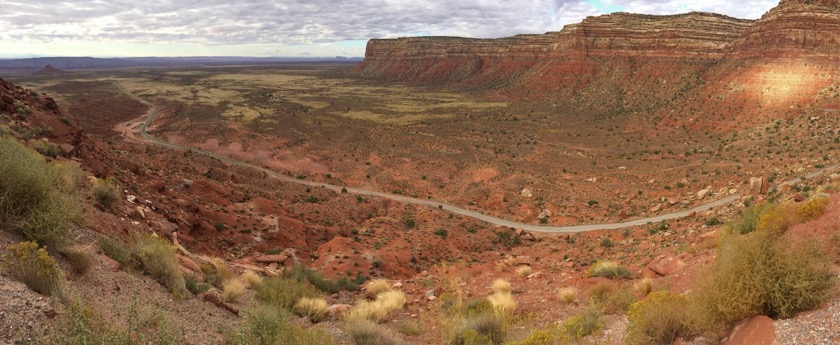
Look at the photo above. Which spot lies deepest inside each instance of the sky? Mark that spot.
(316, 28)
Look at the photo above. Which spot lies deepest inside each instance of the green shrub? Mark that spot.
(480, 329)
(115, 250)
(157, 258)
(46, 149)
(302, 273)
(37, 198)
(582, 325)
(283, 292)
(762, 274)
(267, 325)
(749, 218)
(410, 328)
(193, 285)
(610, 297)
(661, 318)
(33, 266)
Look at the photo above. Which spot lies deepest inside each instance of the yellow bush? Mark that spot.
(776, 219)
(501, 285)
(661, 318)
(812, 209)
(232, 289)
(375, 287)
(34, 267)
(313, 308)
(567, 295)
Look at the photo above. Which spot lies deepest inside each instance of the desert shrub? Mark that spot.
(524, 270)
(611, 298)
(79, 325)
(283, 292)
(37, 198)
(250, 278)
(749, 218)
(643, 287)
(156, 257)
(375, 287)
(80, 257)
(105, 192)
(216, 271)
(302, 273)
(33, 266)
(537, 337)
(500, 285)
(776, 219)
(812, 209)
(46, 149)
(762, 274)
(232, 289)
(503, 304)
(266, 325)
(115, 250)
(567, 295)
(609, 269)
(477, 306)
(582, 325)
(480, 329)
(193, 285)
(391, 300)
(410, 328)
(313, 308)
(661, 318)
(366, 332)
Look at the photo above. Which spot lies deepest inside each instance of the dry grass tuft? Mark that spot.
(366, 332)
(661, 318)
(375, 287)
(501, 285)
(80, 257)
(524, 270)
(643, 287)
(503, 304)
(232, 289)
(391, 300)
(157, 258)
(567, 295)
(367, 310)
(313, 308)
(609, 269)
(251, 278)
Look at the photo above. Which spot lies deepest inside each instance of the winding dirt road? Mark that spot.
(152, 113)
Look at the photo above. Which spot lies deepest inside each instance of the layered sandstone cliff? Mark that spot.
(630, 62)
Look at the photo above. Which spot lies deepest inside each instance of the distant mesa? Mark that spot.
(49, 69)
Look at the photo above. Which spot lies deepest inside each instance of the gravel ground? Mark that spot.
(821, 326)
(24, 314)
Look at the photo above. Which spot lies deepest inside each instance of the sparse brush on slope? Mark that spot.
(156, 257)
(266, 325)
(38, 199)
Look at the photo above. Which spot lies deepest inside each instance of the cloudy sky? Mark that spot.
(295, 27)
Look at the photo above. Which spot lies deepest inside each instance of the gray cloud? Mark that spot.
(301, 22)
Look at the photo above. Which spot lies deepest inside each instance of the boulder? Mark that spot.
(665, 266)
(757, 330)
(702, 194)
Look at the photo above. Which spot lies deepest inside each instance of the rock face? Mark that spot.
(666, 66)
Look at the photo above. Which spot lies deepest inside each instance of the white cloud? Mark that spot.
(283, 25)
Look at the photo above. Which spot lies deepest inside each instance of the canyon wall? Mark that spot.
(629, 62)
